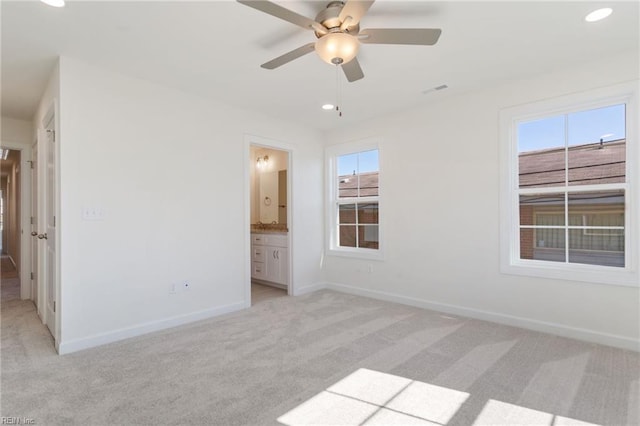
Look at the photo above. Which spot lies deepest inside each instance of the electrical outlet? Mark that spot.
(172, 289)
(369, 268)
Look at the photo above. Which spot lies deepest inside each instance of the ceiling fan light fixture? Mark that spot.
(337, 48)
(54, 3)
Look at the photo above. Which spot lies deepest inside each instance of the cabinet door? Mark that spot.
(277, 261)
(282, 254)
(272, 264)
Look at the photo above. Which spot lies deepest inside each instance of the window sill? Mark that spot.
(606, 275)
(367, 254)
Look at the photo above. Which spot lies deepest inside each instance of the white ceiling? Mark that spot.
(214, 49)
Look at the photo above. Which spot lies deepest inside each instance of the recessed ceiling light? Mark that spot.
(599, 14)
(54, 3)
(327, 107)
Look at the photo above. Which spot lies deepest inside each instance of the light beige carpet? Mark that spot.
(282, 356)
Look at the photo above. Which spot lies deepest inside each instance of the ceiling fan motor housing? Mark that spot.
(330, 18)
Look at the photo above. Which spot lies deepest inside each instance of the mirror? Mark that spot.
(273, 197)
(268, 180)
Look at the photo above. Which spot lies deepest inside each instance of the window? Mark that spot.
(354, 199)
(567, 188)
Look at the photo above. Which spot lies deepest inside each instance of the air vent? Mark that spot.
(433, 89)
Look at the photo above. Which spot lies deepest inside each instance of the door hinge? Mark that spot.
(54, 306)
(32, 275)
(30, 163)
(54, 221)
(31, 220)
(53, 134)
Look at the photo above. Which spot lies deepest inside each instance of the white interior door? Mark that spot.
(34, 226)
(50, 234)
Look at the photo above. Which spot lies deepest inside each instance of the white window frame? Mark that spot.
(510, 262)
(331, 172)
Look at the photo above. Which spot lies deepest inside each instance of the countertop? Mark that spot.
(269, 229)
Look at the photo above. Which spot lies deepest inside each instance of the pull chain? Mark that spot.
(338, 91)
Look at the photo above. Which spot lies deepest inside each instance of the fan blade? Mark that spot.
(422, 36)
(290, 56)
(356, 10)
(352, 70)
(285, 14)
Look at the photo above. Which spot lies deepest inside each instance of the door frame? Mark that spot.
(258, 141)
(25, 214)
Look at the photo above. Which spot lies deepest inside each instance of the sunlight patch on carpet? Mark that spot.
(368, 397)
(499, 413)
(371, 397)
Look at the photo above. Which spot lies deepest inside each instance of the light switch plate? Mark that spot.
(93, 213)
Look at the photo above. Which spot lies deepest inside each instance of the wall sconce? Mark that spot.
(262, 162)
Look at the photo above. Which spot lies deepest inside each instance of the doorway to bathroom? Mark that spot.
(269, 195)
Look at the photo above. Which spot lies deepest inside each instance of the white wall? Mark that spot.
(167, 169)
(441, 216)
(17, 131)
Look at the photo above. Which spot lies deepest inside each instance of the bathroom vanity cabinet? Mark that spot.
(270, 258)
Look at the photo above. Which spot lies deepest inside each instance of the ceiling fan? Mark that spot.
(337, 29)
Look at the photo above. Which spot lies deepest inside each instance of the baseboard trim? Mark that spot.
(309, 289)
(145, 328)
(528, 323)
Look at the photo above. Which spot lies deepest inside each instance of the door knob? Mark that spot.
(34, 233)
(42, 236)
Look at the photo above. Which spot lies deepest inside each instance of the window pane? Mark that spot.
(347, 213)
(596, 247)
(368, 213)
(348, 164)
(368, 170)
(542, 244)
(347, 236)
(368, 184)
(601, 241)
(589, 126)
(541, 157)
(358, 174)
(348, 175)
(595, 163)
(368, 161)
(596, 239)
(368, 236)
(598, 208)
(347, 186)
(597, 146)
(542, 209)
